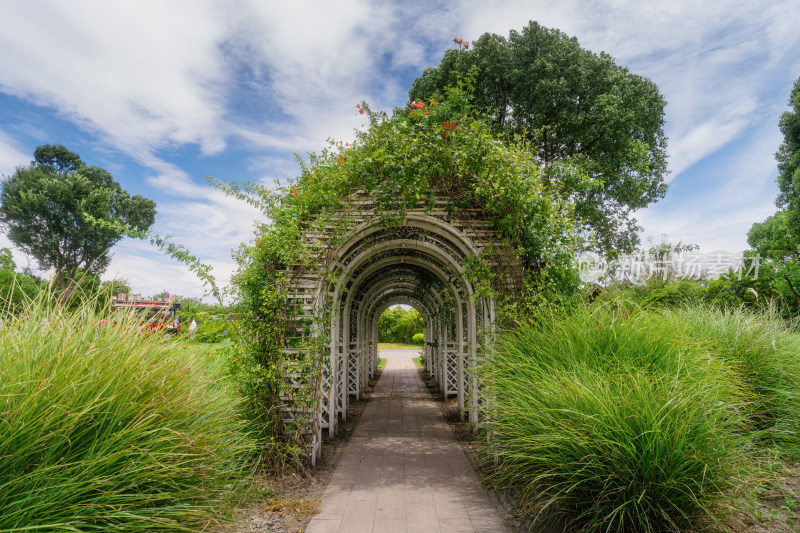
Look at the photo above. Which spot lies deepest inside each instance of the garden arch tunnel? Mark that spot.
(422, 262)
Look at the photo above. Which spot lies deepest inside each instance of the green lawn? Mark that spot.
(398, 346)
(208, 352)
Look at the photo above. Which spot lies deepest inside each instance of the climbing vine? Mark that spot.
(433, 150)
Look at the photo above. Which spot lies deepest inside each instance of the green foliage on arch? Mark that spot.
(432, 150)
(435, 150)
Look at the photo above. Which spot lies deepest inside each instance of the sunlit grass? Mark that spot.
(765, 356)
(619, 420)
(103, 428)
(398, 346)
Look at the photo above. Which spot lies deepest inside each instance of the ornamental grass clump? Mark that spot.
(765, 355)
(608, 420)
(106, 428)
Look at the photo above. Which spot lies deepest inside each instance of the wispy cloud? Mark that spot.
(725, 69)
(141, 75)
(718, 210)
(702, 139)
(10, 154)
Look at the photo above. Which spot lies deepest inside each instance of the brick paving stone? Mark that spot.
(403, 470)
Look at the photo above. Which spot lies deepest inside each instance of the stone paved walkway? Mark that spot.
(403, 470)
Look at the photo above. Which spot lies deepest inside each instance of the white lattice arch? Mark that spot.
(422, 263)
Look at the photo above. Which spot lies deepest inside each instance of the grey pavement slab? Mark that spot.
(403, 470)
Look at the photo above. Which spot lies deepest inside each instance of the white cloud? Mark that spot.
(20, 259)
(141, 74)
(149, 273)
(712, 60)
(703, 139)
(10, 155)
(718, 213)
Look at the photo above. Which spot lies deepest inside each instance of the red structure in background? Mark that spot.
(156, 315)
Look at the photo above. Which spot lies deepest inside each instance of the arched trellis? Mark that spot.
(421, 262)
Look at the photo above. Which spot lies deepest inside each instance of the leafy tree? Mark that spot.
(7, 260)
(573, 105)
(57, 158)
(788, 157)
(113, 287)
(84, 287)
(777, 239)
(164, 294)
(43, 208)
(386, 324)
(399, 325)
(777, 244)
(774, 238)
(409, 324)
(733, 291)
(15, 288)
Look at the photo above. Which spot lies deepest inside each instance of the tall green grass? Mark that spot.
(765, 355)
(612, 419)
(103, 428)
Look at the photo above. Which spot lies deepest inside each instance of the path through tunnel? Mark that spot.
(421, 264)
(402, 468)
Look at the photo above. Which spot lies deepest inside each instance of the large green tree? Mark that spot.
(777, 239)
(774, 238)
(575, 105)
(15, 288)
(42, 208)
(788, 157)
(399, 325)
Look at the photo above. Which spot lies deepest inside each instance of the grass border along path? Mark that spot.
(103, 428)
(616, 419)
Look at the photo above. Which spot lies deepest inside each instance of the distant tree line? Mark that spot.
(399, 325)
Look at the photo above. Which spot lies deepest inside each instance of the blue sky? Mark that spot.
(164, 93)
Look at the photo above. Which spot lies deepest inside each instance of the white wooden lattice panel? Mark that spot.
(325, 389)
(432, 240)
(451, 361)
(353, 368)
(341, 383)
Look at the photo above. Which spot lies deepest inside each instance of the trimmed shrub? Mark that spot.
(418, 338)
